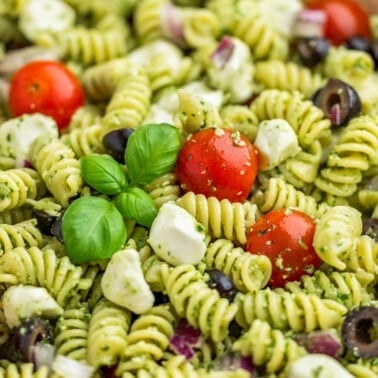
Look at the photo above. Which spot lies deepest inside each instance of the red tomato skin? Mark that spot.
(218, 163)
(286, 238)
(46, 87)
(344, 19)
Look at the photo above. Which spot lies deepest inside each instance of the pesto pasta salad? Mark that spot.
(188, 188)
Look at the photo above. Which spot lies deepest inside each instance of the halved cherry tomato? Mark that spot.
(218, 162)
(285, 237)
(46, 87)
(344, 19)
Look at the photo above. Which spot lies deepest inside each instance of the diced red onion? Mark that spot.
(68, 367)
(223, 52)
(185, 339)
(309, 23)
(231, 361)
(43, 355)
(27, 164)
(324, 342)
(172, 25)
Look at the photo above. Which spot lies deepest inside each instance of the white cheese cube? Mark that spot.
(45, 16)
(276, 141)
(317, 365)
(23, 302)
(176, 236)
(123, 282)
(17, 135)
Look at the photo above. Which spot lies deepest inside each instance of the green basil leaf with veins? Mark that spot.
(93, 229)
(103, 173)
(151, 151)
(135, 203)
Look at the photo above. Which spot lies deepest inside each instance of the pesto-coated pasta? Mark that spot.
(221, 218)
(163, 189)
(294, 311)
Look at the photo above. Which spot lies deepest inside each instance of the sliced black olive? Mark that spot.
(30, 333)
(222, 284)
(359, 332)
(160, 298)
(338, 100)
(312, 50)
(115, 143)
(370, 227)
(56, 229)
(358, 43)
(44, 221)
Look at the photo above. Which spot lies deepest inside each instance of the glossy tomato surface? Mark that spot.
(219, 163)
(46, 87)
(344, 19)
(285, 237)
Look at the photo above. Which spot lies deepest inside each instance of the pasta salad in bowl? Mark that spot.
(189, 188)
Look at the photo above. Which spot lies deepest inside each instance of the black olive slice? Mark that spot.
(44, 221)
(312, 50)
(30, 333)
(56, 229)
(222, 284)
(338, 100)
(370, 227)
(115, 143)
(358, 43)
(359, 332)
(374, 52)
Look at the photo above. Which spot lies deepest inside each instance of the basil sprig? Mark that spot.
(93, 227)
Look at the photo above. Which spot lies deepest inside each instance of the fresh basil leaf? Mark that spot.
(93, 229)
(151, 151)
(103, 173)
(136, 204)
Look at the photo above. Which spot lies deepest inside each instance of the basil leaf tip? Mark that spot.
(151, 151)
(93, 229)
(103, 173)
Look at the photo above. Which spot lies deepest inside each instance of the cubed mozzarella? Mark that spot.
(276, 141)
(17, 135)
(24, 302)
(123, 282)
(317, 365)
(45, 16)
(177, 237)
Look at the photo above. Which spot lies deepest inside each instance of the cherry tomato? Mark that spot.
(46, 87)
(344, 19)
(286, 237)
(218, 162)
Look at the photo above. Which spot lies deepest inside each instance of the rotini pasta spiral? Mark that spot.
(284, 310)
(163, 189)
(148, 338)
(344, 287)
(277, 194)
(287, 76)
(71, 333)
(268, 347)
(130, 101)
(338, 241)
(59, 169)
(23, 370)
(16, 215)
(221, 218)
(17, 185)
(108, 328)
(35, 267)
(84, 116)
(307, 120)
(191, 298)
(85, 141)
(24, 234)
(355, 152)
(247, 271)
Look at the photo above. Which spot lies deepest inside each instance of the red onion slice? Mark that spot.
(309, 23)
(232, 361)
(172, 25)
(223, 52)
(185, 339)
